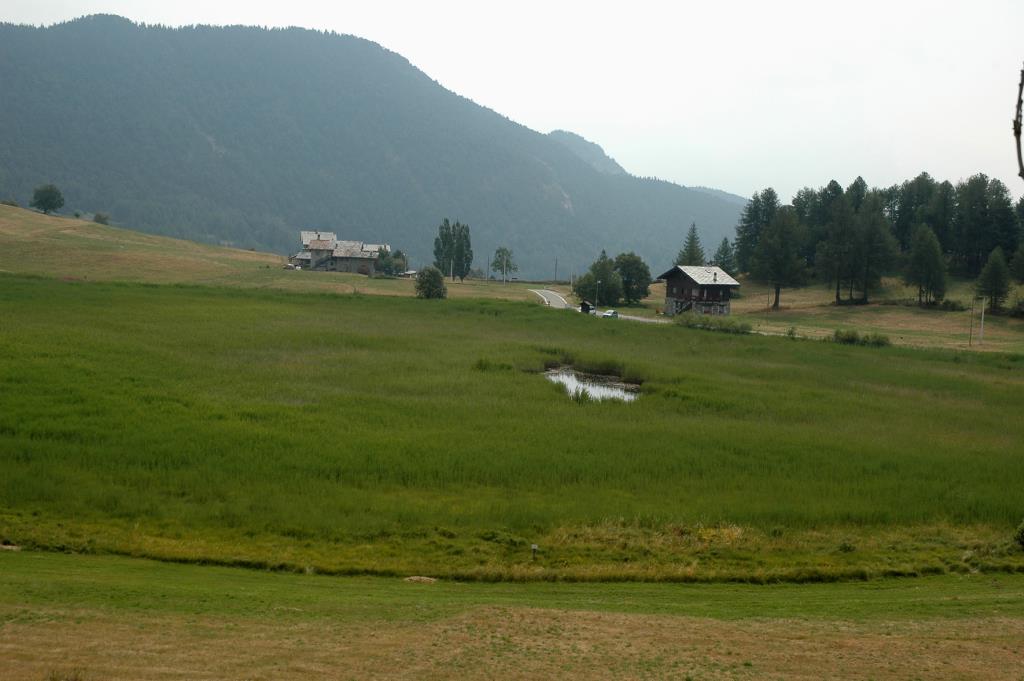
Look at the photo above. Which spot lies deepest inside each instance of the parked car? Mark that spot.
(610, 314)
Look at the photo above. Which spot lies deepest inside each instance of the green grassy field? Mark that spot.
(386, 435)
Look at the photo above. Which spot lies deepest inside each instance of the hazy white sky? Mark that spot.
(735, 95)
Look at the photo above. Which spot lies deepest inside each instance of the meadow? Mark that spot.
(359, 434)
(101, 617)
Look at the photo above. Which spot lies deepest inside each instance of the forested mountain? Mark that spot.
(588, 151)
(242, 136)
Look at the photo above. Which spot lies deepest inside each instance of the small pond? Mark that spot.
(594, 387)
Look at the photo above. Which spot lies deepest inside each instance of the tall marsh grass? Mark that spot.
(324, 418)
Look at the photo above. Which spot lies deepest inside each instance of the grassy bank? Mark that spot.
(104, 618)
(391, 435)
(66, 248)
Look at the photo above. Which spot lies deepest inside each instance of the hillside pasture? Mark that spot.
(67, 248)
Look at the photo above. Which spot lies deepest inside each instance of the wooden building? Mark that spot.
(702, 289)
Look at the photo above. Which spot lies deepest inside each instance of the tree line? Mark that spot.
(849, 238)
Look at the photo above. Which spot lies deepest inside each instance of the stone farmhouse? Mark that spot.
(322, 251)
(704, 289)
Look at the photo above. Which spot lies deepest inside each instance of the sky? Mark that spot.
(734, 95)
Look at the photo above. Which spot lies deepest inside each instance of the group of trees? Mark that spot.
(850, 237)
(453, 251)
(609, 281)
(692, 252)
(392, 263)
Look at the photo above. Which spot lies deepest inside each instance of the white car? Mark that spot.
(610, 314)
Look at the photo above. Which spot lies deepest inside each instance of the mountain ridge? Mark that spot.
(243, 136)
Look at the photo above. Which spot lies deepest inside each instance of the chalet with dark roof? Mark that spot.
(703, 289)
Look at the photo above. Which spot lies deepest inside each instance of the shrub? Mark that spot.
(102, 219)
(1019, 535)
(876, 340)
(710, 323)
(846, 337)
(10, 202)
(851, 337)
(430, 283)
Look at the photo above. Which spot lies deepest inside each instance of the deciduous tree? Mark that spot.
(504, 263)
(636, 276)
(601, 284)
(430, 283)
(47, 198)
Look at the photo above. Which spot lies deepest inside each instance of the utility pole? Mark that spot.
(981, 330)
(970, 334)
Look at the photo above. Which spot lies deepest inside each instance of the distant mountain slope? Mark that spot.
(242, 136)
(590, 152)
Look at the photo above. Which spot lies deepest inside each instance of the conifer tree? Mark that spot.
(725, 257)
(777, 259)
(994, 281)
(926, 267)
(692, 252)
(1017, 264)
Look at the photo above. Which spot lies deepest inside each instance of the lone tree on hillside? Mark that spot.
(636, 276)
(725, 257)
(601, 284)
(692, 252)
(47, 198)
(926, 267)
(777, 258)
(430, 283)
(504, 263)
(994, 282)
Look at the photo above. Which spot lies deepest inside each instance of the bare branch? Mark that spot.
(1017, 123)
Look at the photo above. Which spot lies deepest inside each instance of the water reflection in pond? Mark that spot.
(594, 387)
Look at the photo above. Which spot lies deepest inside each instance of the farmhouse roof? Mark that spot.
(307, 235)
(703, 275)
(351, 249)
(304, 255)
(321, 245)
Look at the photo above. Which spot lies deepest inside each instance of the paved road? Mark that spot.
(552, 299)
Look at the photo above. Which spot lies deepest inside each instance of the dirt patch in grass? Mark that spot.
(507, 642)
